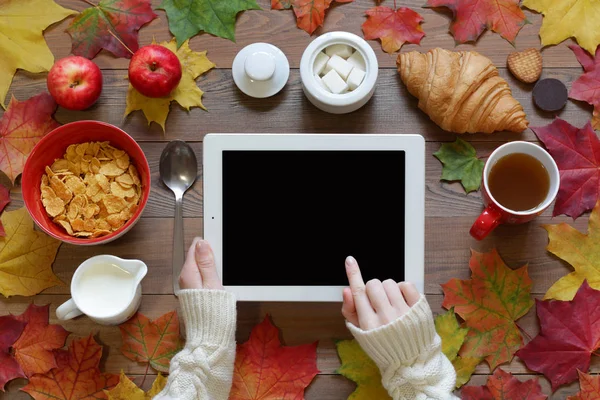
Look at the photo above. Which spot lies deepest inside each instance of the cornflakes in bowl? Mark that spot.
(86, 183)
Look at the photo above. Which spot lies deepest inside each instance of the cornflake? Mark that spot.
(92, 191)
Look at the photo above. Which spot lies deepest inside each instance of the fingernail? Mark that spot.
(350, 261)
(198, 250)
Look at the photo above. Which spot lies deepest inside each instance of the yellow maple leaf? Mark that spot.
(569, 18)
(26, 256)
(187, 93)
(22, 43)
(127, 390)
(578, 249)
(359, 368)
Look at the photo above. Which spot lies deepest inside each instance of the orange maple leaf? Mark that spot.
(394, 27)
(590, 387)
(76, 375)
(310, 14)
(490, 303)
(23, 125)
(154, 342)
(33, 349)
(264, 369)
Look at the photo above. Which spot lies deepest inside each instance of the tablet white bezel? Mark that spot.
(414, 147)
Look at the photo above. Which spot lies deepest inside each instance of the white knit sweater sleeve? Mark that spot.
(204, 368)
(409, 355)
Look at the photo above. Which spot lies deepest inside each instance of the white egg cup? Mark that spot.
(338, 103)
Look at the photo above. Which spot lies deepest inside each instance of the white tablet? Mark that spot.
(282, 212)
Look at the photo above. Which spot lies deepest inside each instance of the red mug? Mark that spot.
(495, 213)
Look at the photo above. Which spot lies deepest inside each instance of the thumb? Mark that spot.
(205, 259)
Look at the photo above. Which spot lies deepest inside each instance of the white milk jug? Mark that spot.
(105, 288)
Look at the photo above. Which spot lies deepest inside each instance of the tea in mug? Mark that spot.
(519, 182)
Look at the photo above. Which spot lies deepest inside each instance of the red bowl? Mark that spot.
(53, 146)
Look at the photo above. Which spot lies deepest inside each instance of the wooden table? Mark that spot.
(449, 212)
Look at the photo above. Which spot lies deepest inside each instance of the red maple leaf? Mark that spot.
(91, 30)
(76, 375)
(264, 369)
(10, 330)
(587, 86)
(310, 14)
(472, 17)
(23, 125)
(577, 154)
(393, 27)
(4, 200)
(569, 334)
(504, 386)
(34, 349)
(590, 387)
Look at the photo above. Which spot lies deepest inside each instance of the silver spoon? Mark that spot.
(178, 170)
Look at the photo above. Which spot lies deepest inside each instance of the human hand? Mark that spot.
(199, 270)
(375, 304)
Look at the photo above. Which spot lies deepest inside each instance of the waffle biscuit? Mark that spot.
(526, 65)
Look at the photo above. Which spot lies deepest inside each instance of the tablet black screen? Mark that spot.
(292, 217)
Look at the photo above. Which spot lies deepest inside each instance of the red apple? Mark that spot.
(154, 71)
(75, 82)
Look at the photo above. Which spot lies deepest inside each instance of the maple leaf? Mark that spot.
(453, 337)
(127, 390)
(393, 27)
(490, 303)
(23, 125)
(590, 387)
(22, 45)
(33, 350)
(10, 330)
(310, 14)
(568, 18)
(4, 200)
(26, 256)
(188, 17)
(360, 369)
(76, 375)
(102, 26)
(154, 342)
(264, 369)
(587, 86)
(461, 164)
(472, 17)
(187, 93)
(464, 367)
(504, 386)
(569, 334)
(580, 250)
(577, 155)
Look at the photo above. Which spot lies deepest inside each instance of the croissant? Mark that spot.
(461, 91)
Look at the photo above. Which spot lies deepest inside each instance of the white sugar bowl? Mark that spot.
(339, 71)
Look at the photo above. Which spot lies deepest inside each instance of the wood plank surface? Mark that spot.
(449, 211)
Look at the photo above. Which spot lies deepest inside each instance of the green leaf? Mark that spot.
(217, 17)
(460, 164)
(453, 336)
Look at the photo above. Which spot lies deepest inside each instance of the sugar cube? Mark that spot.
(342, 50)
(320, 83)
(320, 63)
(335, 83)
(357, 61)
(355, 78)
(341, 66)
